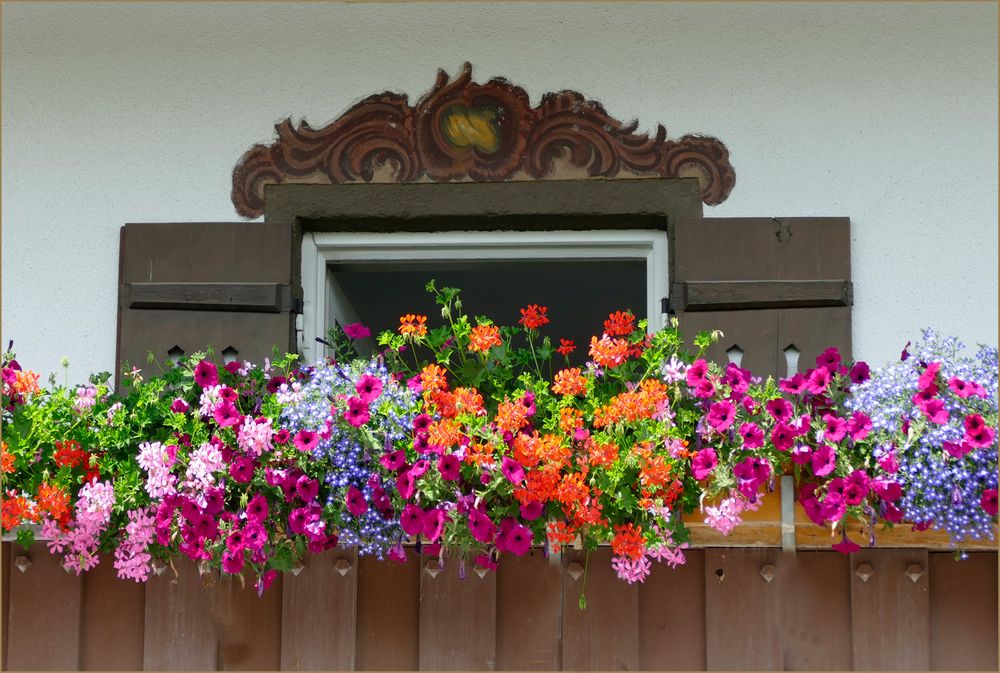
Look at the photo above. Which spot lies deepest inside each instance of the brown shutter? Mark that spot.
(769, 284)
(186, 286)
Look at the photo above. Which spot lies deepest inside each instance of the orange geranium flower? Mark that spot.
(480, 453)
(559, 533)
(484, 337)
(413, 324)
(511, 416)
(608, 352)
(7, 460)
(444, 433)
(566, 346)
(53, 500)
(620, 323)
(570, 419)
(570, 382)
(443, 401)
(68, 453)
(26, 381)
(603, 453)
(545, 450)
(433, 378)
(629, 541)
(16, 509)
(572, 491)
(534, 316)
(469, 401)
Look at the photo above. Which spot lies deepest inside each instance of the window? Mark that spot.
(582, 275)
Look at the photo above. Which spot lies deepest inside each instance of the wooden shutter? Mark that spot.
(769, 284)
(186, 286)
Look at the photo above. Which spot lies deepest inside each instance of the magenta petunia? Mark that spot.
(485, 561)
(274, 383)
(782, 436)
(957, 449)
(737, 378)
(397, 553)
(929, 376)
(892, 514)
(835, 427)
(226, 414)
(846, 546)
(394, 460)
(703, 389)
(228, 394)
(306, 488)
(265, 581)
(988, 501)
(448, 466)
(232, 561)
(434, 522)
(381, 500)
(257, 508)
(368, 388)
(935, 411)
(415, 385)
(925, 394)
(890, 491)
(355, 501)
(801, 454)
(306, 440)
(860, 372)
(858, 426)
(421, 422)
(412, 520)
(703, 463)
(518, 540)
(794, 385)
(357, 331)
(241, 470)
(780, 410)
(179, 406)
(206, 374)
(405, 485)
(753, 436)
(823, 460)
(532, 510)
(818, 380)
(281, 436)
(697, 372)
(482, 529)
(512, 470)
(357, 413)
(977, 433)
(419, 468)
(829, 359)
(721, 415)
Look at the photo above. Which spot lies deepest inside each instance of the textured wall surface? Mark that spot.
(885, 113)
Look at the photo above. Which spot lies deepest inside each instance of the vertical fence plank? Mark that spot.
(318, 613)
(111, 623)
(672, 616)
(963, 605)
(743, 628)
(6, 561)
(529, 613)
(815, 609)
(890, 613)
(250, 625)
(605, 636)
(388, 613)
(457, 618)
(44, 614)
(181, 616)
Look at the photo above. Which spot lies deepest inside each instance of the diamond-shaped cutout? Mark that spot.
(735, 354)
(229, 354)
(792, 360)
(175, 354)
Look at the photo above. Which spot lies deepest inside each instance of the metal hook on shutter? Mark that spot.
(783, 231)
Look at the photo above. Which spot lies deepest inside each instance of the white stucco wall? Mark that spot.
(886, 113)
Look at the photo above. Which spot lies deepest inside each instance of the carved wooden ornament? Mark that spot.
(461, 130)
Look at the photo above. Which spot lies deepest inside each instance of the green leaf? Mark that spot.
(26, 537)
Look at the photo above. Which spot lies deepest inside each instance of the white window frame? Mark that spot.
(321, 249)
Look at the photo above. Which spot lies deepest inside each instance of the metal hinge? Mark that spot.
(666, 307)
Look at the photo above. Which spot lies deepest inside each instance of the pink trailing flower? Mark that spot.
(818, 381)
(725, 516)
(179, 406)
(86, 397)
(483, 530)
(132, 558)
(254, 436)
(631, 571)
